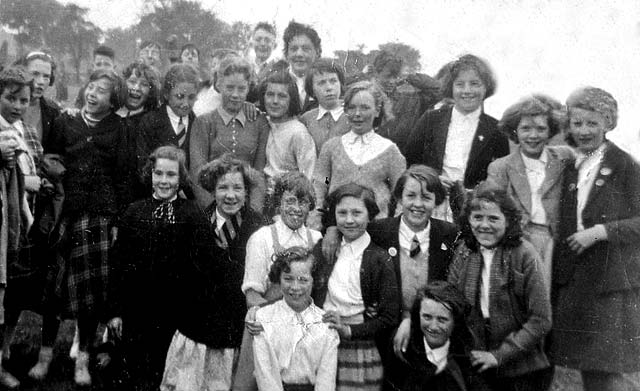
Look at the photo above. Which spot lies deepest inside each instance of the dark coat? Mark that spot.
(427, 144)
(596, 293)
(156, 130)
(49, 111)
(379, 291)
(92, 182)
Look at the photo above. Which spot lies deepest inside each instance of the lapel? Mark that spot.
(608, 170)
(440, 133)
(435, 242)
(517, 173)
(167, 134)
(553, 171)
(480, 141)
(472, 277)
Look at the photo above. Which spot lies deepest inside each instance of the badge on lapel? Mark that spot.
(599, 182)
(572, 187)
(444, 247)
(392, 251)
(481, 138)
(605, 171)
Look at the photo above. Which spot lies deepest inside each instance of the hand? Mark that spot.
(334, 321)
(115, 327)
(114, 235)
(582, 240)
(8, 146)
(401, 339)
(32, 183)
(250, 111)
(446, 182)
(483, 360)
(330, 242)
(250, 323)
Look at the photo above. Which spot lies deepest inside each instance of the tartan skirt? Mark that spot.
(87, 265)
(359, 366)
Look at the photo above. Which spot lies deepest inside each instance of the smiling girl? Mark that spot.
(88, 143)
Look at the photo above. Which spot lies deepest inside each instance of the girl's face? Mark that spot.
(326, 88)
(296, 285)
(138, 88)
(97, 96)
(301, 54)
(190, 56)
(293, 211)
(352, 218)
(417, 204)
(40, 70)
(14, 102)
(165, 179)
(230, 194)
(488, 224)
(587, 129)
(468, 91)
(181, 98)
(276, 101)
(533, 135)
(436, 323)
(361, 111)
(234, 89)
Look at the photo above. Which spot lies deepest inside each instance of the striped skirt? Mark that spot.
(359, 366)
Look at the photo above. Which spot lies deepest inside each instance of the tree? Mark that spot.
(73, 34)
(410, 55)
(31, 20)
(353, 61)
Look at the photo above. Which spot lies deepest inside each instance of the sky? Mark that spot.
(548, 46)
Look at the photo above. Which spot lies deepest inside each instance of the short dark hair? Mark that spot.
(266, 26)
(295, 29)
(387, 59)
(533, 105)
(180, 73)
(282, 261)
(464, 63)
(210, 173)
(489, 191)
(298, 184)
(190, 46)
(382, 101)
(104, 51)
(118, 94)
(350, 190)
(150, 43)
(169, 152)
(323, 65)
(232, 65)
(15, 78)
(428, 179)
(285, 78)
(143, 70)
(38, 55)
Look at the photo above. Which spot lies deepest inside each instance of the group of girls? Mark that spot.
(197, 240)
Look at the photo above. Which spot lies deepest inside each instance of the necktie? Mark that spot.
(228, 231)
(415, 247)
(164, 213)
(182, 133)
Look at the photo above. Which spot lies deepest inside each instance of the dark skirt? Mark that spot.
(87, 265)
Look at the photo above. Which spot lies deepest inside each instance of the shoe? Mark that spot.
(41, 369)
(81, 375)
(8, 381)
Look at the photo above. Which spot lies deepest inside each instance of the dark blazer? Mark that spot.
(510, 173)
(155, 127)
(442, 235)
(49, 111)
(378, 286)
(427, 143)
(614, 201)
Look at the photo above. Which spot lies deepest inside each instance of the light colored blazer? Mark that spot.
(510, 173)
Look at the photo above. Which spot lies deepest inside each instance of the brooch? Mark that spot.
(444, 247)
(572, 187)
(392, 251)
(599, 182)
(481, 138)
(605, 171)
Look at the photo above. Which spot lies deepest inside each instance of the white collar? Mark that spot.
(408, 234)
(335, 113)
(285, 233)
(592, 159)
(175, 118)
(124, 112)
(175, 197)
(487, 253)
(220, 219)
(531, 163)
(439, 355)
(227, 117)
(311, 314)
(5, 124)
(359, 245)
(351, 137)
(473, 116)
